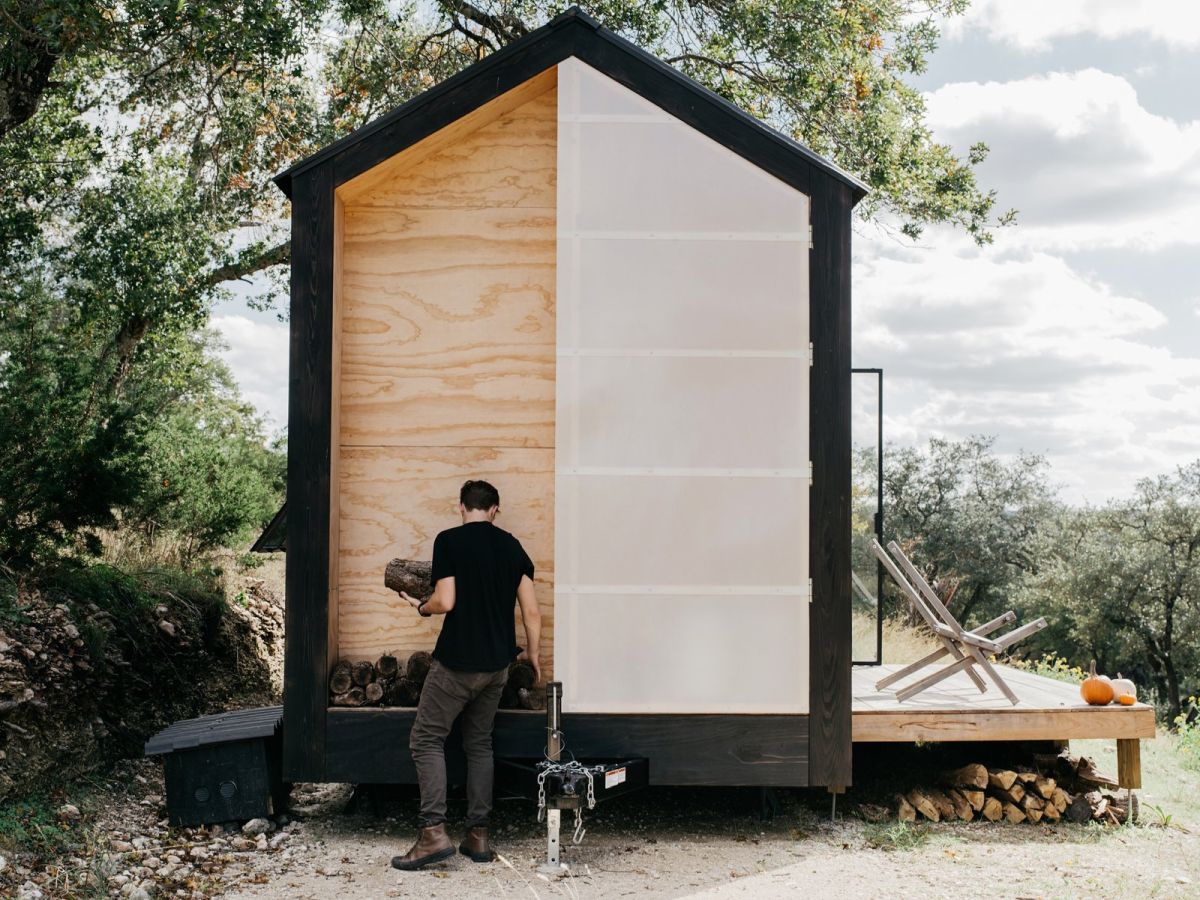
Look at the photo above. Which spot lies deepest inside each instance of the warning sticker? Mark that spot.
(613, 778)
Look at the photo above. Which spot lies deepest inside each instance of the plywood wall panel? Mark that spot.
(448, 328)
(507, 163)
(394, 501)
(447, 356)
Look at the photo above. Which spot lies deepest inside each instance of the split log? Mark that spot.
(974, 797)
(945, 806)
(339, 678)
(353, 697)
(1089, 776)
(1060, 799)
(1051, 813)
(904, 809)
(922, 804)
(373, 692)
(1001, 779)
(1033, 815)
(992, 809)
(418, 667)
(402, 692)
(1014, 813)
(1032, 801)
(387, 666)
(972, 775)
(1045, 787)
(362, 673)
(962, 808)
(521, 674)
(1014, 794)
(1027, 777)
(1079, 811)
(408, 575)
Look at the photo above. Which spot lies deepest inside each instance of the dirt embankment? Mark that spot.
(93, 661)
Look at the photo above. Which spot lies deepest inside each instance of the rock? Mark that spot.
(198, 853)
(142, 892)
(278, 839)
(166, 628)
(261, 842)
(256, 827)
(69, 813)
(242, 844)
(121, 846)
(152, 862)
(140, 843)
(30, 891)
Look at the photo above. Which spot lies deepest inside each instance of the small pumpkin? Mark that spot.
(1123, 686)
(1127, 699)
(1096, 690)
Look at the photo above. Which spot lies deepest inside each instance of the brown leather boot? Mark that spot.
(476, 846)
(432, 845)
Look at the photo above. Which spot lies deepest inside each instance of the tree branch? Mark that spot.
(246, 265)
(505, 26)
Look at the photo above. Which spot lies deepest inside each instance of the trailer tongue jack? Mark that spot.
(570, 784)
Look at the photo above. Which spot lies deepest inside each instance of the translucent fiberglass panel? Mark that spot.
(681, 416)
(739, 295)
(648, 654)
(640, 531)
(712, 412)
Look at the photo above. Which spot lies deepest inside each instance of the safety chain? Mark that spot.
(565, 768)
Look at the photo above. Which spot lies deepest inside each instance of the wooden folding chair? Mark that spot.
(966, 648)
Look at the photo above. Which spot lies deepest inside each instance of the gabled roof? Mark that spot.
(573, 33)
(274, 536)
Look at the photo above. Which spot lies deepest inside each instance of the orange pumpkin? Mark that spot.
(1127, 699)
(1096, 689)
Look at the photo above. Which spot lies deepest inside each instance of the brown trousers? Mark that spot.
(447, 694)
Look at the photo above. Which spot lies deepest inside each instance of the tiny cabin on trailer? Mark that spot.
(580, 275)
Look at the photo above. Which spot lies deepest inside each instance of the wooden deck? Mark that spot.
(955, 710)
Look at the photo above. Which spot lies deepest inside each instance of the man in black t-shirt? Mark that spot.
(479, 571)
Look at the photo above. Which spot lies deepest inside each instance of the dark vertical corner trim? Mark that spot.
(829, 437)
(309, 407)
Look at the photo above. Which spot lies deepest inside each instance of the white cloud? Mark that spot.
(1033, 25)
(1082, 160)
(257, 352)
(1021, 346)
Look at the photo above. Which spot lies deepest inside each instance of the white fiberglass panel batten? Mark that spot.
(682, 467)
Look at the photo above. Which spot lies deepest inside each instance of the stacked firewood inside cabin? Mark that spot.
(1061, 787)
(391, 681)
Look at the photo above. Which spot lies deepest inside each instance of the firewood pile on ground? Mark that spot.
(393, 681)
(1058, 787)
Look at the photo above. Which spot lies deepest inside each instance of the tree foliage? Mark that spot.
(1119, 584)
(975, 522)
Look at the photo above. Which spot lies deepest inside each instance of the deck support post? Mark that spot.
(834, 790)
(1129, 763)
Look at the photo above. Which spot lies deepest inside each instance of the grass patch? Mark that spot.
(32, 827)
(1050, 665)
(895, 836)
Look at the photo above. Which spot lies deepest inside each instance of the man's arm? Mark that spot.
(441, 601)
(532, 617)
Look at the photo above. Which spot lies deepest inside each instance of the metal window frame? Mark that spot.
(879, 574)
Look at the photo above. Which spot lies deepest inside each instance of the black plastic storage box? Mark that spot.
(224, 767)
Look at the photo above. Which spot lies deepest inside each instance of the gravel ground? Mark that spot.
(659, 842)
(712, 843)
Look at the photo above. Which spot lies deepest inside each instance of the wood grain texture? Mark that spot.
(310, 621)
(829, 501)
(402, 174)
(448, 328)
(955, 711)
(372, 745)
(507, 162)
(1129, 763)
(394, 502)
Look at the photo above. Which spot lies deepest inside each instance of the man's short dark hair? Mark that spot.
(478, 495)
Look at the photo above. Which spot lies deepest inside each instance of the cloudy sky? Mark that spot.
(1077, 334)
